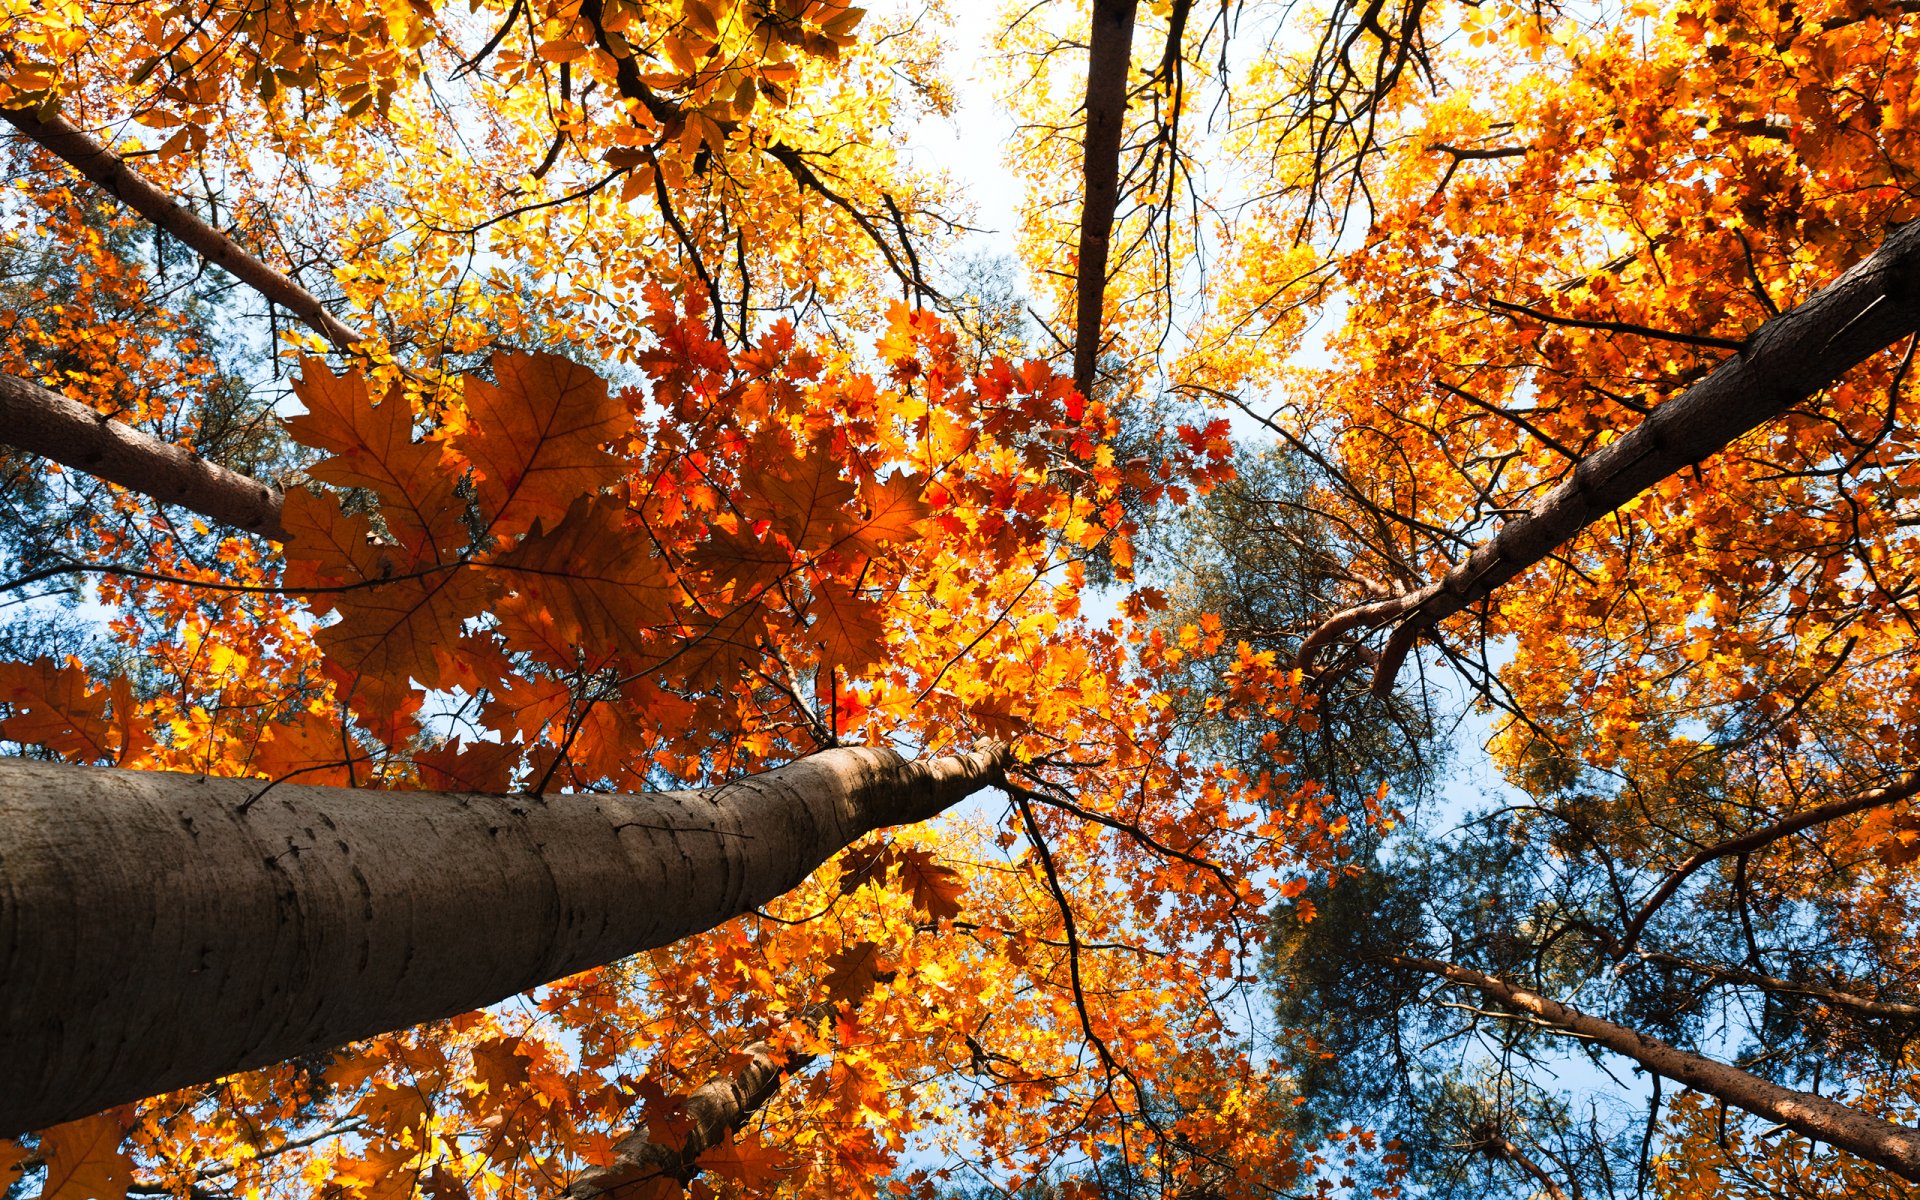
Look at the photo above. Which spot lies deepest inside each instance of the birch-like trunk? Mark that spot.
(159, 930)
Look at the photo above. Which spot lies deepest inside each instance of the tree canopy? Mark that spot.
(567, 635)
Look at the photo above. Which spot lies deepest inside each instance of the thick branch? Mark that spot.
(1787, 360)
(111, 172)
(1895, 1147)
(1110, 55)
(44, 422)
(713, 1112)
(1747, 843)
(162, 929)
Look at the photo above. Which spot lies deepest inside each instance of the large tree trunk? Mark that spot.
(1109, 58)
(1895, 1147)
(1787, 360)
(158, 930)
(73, 435)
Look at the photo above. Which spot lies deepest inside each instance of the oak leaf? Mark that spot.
(372, 447)
(536, 436)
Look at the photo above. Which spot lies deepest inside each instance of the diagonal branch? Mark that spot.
(44, 422)
(1902, 789)
(110, 171)
(712, 1113)
(1895, 1147)
(1785, 361)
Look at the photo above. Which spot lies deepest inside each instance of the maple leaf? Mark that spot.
(535, 437)
(800, 497)
(936, 890)
(468, 767)
(315, 747)
(894, 511)
(85, 1161)
(391, 619)
(592, 576)
(500, 1064)
(372, 447)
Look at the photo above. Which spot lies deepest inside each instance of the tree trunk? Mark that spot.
(1895, 1147)
(1109, 57)
(158, 930)
(70, 433)
(1787, 360)
(111, 172)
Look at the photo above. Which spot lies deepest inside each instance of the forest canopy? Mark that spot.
(583, 618)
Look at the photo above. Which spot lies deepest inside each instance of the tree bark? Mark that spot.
(1895, 1147)
(158, 930)
(714, 1111)
(47, 423)
(1787, 360)
(110, 171)
(1109, 57)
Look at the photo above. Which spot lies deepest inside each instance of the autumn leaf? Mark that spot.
(847, 627)
(500, 1064)
(53, 707)
(85, 1160)
(536, 438)
(392, 619)
(457, 766)
(594, 575)
(854, 971)
(800, 497)
(372, 446)
(749, 1162)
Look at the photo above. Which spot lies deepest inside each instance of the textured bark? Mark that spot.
(158, 930)
(68, 432)
(1109, 56)
(1895, 1147)
(1787, 360)
(713, 1112)
(1747, 843)
(110, 171)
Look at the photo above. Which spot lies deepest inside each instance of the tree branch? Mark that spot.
(1786, 360)
(1895, 1147)
(111, 172)
(43, 421)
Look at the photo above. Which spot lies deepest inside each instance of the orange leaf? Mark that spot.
(53, 707)
(751, 1163)
(601, 583)
(372, 447)
(535, 437)
(847, 627)
(469, 767)
(392, 618)
(853, 971)
(84, 1160)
